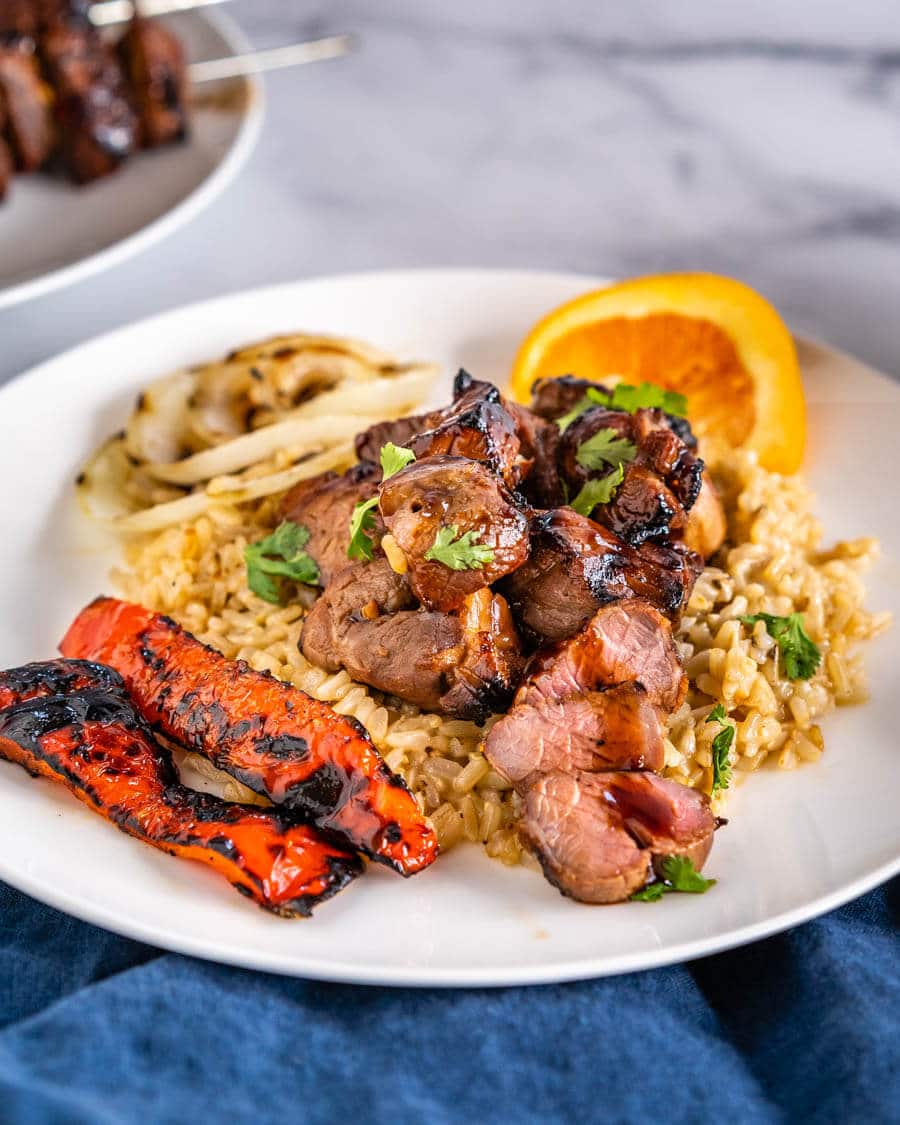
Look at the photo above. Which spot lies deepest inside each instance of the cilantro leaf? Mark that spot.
(362, 521)
(678, 874)
(625, 396)
(459, 552)
(394, 458)
(280, 555)
(605, 447)
(598, 491)
(801, 655)
(721, 745)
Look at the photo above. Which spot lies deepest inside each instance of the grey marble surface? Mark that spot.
(760, 140)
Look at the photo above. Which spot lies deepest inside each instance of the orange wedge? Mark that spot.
(712, 339)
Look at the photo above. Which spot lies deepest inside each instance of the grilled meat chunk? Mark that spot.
(576, 566)
(90, 738)
(624, 642)
(277, 740)
(96, 123)
(398, 430)
(6, 167)
(552, 398)
(599, 835)
(324, 505)
(452, 493)
(660, 483)
(539, 442)
(466, 663)
(30, 17)
(706, 526)
(154, 62)
(477, 426)
(616, 728)
(26, 116)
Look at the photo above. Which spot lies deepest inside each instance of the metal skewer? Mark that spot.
(106, 12)
(233, 66)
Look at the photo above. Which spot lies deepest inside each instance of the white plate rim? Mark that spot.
(414, 976)
(176, 217)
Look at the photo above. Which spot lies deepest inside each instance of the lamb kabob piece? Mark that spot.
(156, 70)
(295, 750)
(26, 113)
(97, 125)
(72, 722)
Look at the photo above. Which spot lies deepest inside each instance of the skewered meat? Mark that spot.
(274, 738)
(29, 17)
(706, 526)
(552, 398)
(96, 123)
(399, 431)
(324, 505)
(91, 739)
(25, 104)
(598, 836)
(539, 442)
(477, 426)
(576, 566)
(466, 663)
(616, 728)
(452, 493)
(154, 62)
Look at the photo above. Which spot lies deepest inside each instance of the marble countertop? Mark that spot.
(761, 141)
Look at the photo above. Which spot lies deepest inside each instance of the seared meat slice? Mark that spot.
(455, 493)
(399, 431)
(598, 835)
(706, 526)
(466, 664)
(618, 728)
(29, 17)
(96, 122)
(324, 505)
(154, 62)
(477, 426)
(576, 566)
(623, 642)
(25, 104)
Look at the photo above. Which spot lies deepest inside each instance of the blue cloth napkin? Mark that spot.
(801, 1027)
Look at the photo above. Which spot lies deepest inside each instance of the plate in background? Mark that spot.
(54, 232)
(798, 843)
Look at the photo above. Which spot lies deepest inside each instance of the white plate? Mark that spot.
(798, 843)
(53, 232)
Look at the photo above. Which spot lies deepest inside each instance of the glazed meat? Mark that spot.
(29, 17)
(399, 431)
(90, 739)
(576, 566)
(552, 398)
(616, 728)
(599, 835)
(324, 505)
(452, 494)
(154, 62)
(628, 641)
(96, 122)
(277, 740)
(706, 526)
(465, 663)
(26, 115)
(477, 426)
(539, 443)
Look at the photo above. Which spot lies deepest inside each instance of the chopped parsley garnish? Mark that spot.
(801, 655)
(459, 552)
(598, 491)
(678, 874)
(625, 396)
(605, 447)
(721, 744)
(362, 521)
(280, 555)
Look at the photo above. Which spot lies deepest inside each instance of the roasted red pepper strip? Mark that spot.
(94, 742)
(274, 738)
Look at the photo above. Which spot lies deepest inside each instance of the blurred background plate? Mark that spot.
(53, 232)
